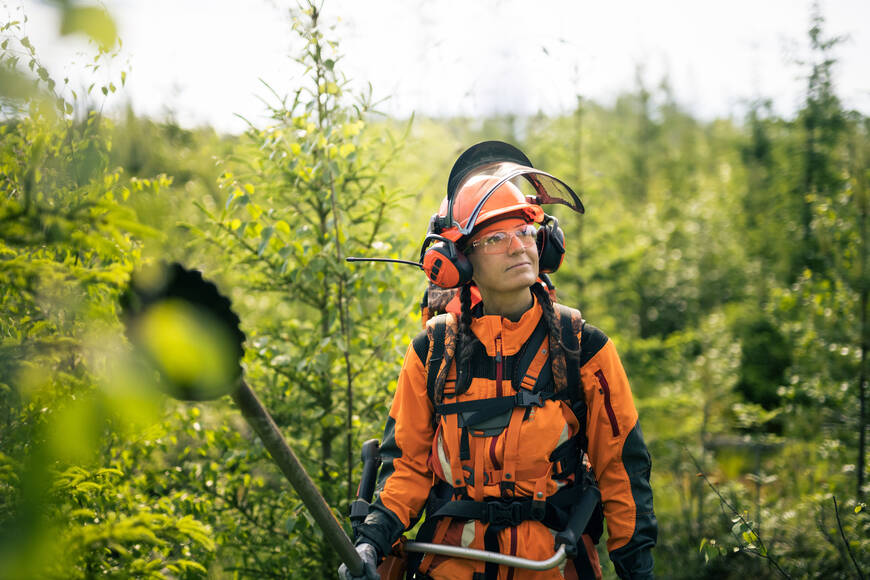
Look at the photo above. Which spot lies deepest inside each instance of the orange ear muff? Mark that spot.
(551, 245)
(445, 266)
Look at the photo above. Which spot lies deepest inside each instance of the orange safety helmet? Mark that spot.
(484, 198)
(481, 188)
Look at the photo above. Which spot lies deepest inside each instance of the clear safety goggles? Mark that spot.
(500, 242)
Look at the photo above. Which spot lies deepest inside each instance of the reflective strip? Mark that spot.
(469, 530)
(565, 435)
(442, 459)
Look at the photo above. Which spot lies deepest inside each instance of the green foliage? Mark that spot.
(298, 197)
(68, 240)
(728, 262)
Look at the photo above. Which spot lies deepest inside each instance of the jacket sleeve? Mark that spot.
(619, 457)
(405, 478)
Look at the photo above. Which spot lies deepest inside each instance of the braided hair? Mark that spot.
(464, 341)
(463, 349)
(560, 355)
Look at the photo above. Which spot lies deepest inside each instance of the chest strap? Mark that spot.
(530, 385)
(483, 409)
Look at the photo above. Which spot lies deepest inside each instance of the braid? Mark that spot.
(465, 341)
(560, 354)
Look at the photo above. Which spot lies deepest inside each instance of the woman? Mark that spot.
(507, 406)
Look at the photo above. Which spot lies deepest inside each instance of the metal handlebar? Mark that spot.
(485, 556)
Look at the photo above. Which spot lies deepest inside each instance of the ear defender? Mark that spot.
(445, 266)
(551, 245)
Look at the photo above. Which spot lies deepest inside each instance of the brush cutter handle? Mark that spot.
(259, 419)
(371, 460)
(580, 516)
(485, 556)
(359, 508)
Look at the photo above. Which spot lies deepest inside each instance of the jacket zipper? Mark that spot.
(605, 388)
(498, 365)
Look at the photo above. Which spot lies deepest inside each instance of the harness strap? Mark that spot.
(565, 457)
(511, 452)
(493, 476)
(483, 409)
(572, 324)
(490, 543)
(531, 353)
(451, 435)
(479, 450)
(511, 512)
(499, 513)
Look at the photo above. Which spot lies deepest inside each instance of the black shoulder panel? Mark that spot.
(421, 345)
(591, 340)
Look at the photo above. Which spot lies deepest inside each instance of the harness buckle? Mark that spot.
(507, 487)
(526, 398)
(504, 514)
(539, 510)
(469, 479)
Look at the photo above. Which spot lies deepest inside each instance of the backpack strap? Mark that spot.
(441, 331)
(532, 375)
(532, 371)
(572, 323)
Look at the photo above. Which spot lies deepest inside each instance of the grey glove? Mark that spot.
(369, 556)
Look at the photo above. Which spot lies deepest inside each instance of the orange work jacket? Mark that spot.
(418, 453)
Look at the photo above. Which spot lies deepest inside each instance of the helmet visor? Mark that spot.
(539, 187)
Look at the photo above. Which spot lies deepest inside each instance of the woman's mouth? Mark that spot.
(518, 265)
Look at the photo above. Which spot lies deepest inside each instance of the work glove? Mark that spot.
(370, 564)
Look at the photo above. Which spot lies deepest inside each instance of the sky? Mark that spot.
(206, 61)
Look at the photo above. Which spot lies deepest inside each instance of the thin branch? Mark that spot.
(301, 383)
(257, 258)
(845, 542)
(234, 505)
(377, 350)
(256, 573)
(762, 552)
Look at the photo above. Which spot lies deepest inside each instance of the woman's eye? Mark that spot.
(495, 239)
(526, 233)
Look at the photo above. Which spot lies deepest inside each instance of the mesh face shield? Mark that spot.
(538, 186)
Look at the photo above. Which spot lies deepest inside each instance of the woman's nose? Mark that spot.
(514, 248)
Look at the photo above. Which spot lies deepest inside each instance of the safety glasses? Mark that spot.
(499, 242)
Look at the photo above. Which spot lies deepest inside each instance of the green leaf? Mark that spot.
(264, 239)
(92, 21)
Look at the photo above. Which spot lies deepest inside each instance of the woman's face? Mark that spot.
(510, 271)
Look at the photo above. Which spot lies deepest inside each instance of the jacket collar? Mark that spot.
(513, 335)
